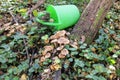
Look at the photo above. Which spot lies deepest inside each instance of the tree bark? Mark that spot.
(91, 20)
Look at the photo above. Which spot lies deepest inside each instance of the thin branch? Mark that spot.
(40, 2)
(13, 17)
(26, 49)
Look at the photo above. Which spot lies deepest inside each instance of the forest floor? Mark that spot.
(31, 51)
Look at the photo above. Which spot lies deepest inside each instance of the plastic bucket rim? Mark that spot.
(58, 17)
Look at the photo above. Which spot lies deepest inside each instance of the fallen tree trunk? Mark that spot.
(91, 19)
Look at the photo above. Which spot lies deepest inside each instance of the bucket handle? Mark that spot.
(45, 23)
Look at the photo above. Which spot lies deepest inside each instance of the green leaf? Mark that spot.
(16, 78)
(31, 70)
(10, 71)
(20, 36)
(22, 10)
(79, 63)
(99, 68)
(45, 37)
(3, 59)
(72, 49)
(65, 66)
(111, 61)
(36, 66)
(7, 78)
(57, 61)
(74, 53)
(35, 13)
(83, 46)
(70, 59)
(118, 72)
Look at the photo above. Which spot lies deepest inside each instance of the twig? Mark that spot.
(26, 49)
(13, 17)
(40, 2)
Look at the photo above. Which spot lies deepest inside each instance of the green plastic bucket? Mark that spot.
(64, 16)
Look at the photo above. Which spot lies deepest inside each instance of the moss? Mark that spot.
(98, 16)
(78, 28)
(88, 40)
(72, 37)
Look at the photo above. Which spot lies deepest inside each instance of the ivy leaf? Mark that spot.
(99, 68)
(74, 53)
(16, 78)
(36, 66)
(31, 70)
(79, 63)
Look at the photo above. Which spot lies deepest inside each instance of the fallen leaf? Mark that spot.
(93, 49)
(55, 67)
(23, 77)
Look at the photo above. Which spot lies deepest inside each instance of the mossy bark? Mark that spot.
(91, 20)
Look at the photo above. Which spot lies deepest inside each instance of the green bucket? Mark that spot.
(64, 16)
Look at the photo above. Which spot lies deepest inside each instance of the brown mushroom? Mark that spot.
(61, 56)
(48, 55)
(60, 48)
(64, 52)
(48, 48)
(63, 40)
(42, 59)
(58, 34)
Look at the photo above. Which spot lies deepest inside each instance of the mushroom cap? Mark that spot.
(63, 40)
(58, 34)
(64, 52)
(48, 55)
(48, 48)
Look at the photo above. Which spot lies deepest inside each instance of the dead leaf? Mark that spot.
(12, 31)
(46, 41)
(55, 67)
(24, 77)
(1, 72)
(93, 49)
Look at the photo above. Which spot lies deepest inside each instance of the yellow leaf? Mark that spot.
(22, 10)
(35, 13)
(23, 77)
